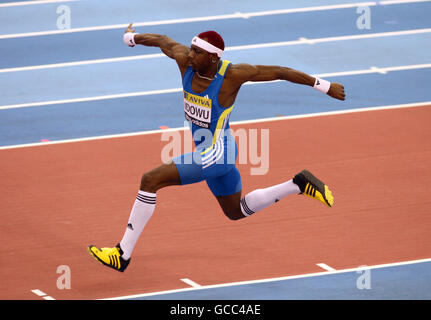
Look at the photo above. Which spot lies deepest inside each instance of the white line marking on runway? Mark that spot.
(191, 283)
(164, 91)
(237, 15)
(38, 292)
(389, 2)
(42, 294)
(388, 265)
(25, 3)
(300, 41)
(329, 39)
(110, 96)
(83, 62)
(233, 123)
(306, 40)
(378, 70)
(325, 266)
(242, 15)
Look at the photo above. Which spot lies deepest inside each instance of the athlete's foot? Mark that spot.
(313, 187)
(110, 257)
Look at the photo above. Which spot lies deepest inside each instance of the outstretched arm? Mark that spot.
(242, 73)
(171, 48)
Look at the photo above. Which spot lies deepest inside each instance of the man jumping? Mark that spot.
(210, 86)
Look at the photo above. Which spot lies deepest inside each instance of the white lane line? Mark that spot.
(361, 268)
(303, 40)
(38, 292)
(325, 266)
(232, 124)
(191, 283)
(306, 40)
(110, 96)
(165, 91)
(389, 2)
(378, 70)
(240, 15)
(300, 41)
(83, 62)
(42, 294)
(25, 3)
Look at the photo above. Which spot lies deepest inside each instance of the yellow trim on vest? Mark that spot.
(223, 67)
(218, 128)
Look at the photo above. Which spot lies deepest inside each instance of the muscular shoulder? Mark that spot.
(241, 72)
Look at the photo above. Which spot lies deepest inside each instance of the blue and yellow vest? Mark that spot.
(203, 110)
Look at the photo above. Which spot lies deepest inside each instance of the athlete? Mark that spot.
(210, 86)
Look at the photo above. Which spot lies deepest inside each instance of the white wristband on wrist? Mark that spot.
(129, 39)
(322, 85)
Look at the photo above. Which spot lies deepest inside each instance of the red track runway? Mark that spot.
(57, 199)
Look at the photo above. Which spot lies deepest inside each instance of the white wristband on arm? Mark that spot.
(322, 85)
(129, 39)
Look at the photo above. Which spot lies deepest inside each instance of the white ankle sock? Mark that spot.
(262, 198)
(142, 211)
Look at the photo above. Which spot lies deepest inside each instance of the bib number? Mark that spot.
(197, 110)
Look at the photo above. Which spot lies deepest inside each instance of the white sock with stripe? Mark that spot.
(142, 211)
(262, 198)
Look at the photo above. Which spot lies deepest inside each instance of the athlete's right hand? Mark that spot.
(129, 36)
(129, 28)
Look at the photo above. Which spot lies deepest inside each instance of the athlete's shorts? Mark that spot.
(215, 165)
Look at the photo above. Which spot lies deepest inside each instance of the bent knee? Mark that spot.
(149, 182)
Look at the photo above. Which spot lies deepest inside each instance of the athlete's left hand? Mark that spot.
(336, 91)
